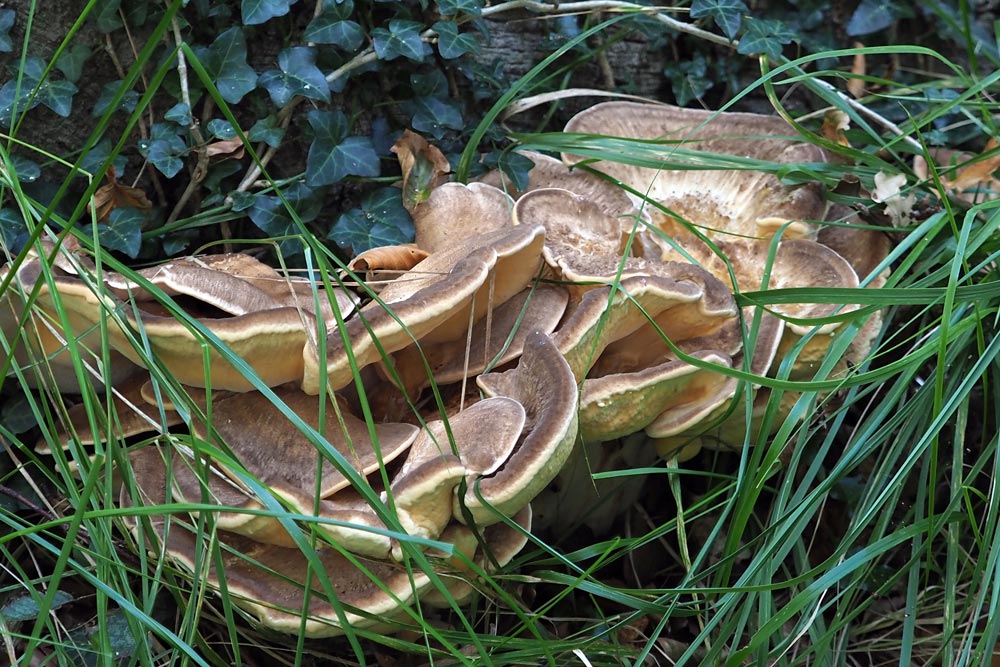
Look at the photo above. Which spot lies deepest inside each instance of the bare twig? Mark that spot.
(201, 167)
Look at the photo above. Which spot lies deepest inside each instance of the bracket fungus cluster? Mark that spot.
(439, 403)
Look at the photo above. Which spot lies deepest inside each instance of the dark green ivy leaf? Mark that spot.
(98, 154)
(689, 80)
(382, 220)
(272, 216)
(27, 171)
(875, 15)
(268, 130)
(105, 15)
(333, 155)
(453, 7)
(103, 102)
(13, 231)
(165, 149)
(56, 94)
(123, 232)
(25, 607)
(221, 129)
(71, 61)
(727, 14)
(434, 115)
(451, 42)
(7, 17)
(402, 38)
(256, 12)
(180, 113)
(333, 26)
(227, 61)
(298, 76)
(764, 36)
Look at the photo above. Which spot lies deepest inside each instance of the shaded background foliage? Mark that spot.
(328, 87)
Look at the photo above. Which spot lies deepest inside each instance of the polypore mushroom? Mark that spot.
(722, 202)
(41, 339)
(446, 293)
(544, 385)
(264, 318)
(281, 458)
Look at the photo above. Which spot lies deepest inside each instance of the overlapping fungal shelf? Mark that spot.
(458, 385)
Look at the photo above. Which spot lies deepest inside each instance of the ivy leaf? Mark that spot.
(382, 220)
(764, 36)
(727, 14)
(165, 150)
(123, 232)
(221, 129)
(96, 156)
(256, 12)
(333, 26)
(56, 94)
(689, 80)
(333, 155)
(13, 231)
(7, 17)
(25, 607)
(27, 171)
(271, 215)
(402, 38)
(453, 7)
(875, 15)
(434, 115)
(298, 76)
(71, 61)
(227, 61)
(180, 113)
(128, 102)
(105, 15)
(268, 130)
(451, 42)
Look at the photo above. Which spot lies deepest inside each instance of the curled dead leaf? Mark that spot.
(225, 149)
(114, 195)
(387, 262)
(856, 84)
(835, 124)
(424, 168)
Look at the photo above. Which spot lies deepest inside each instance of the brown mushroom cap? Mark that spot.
(130, 415)
(269, 581)
(454, 289)
(42, 352)
(454, 213)
(494, 340)
(544, 384)
(674, 394)
(723, 202)
(678, 307)
(281, 457)
(551, 173)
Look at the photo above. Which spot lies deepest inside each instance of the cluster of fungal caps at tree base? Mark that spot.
(520, 327)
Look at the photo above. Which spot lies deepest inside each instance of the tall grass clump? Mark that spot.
(864, 531)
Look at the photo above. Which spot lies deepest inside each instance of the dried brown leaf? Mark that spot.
(835, 123)
(424, 168)
(856, 84)
(226, 149)
(387, 262)
(979, 171)
(114, 195)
